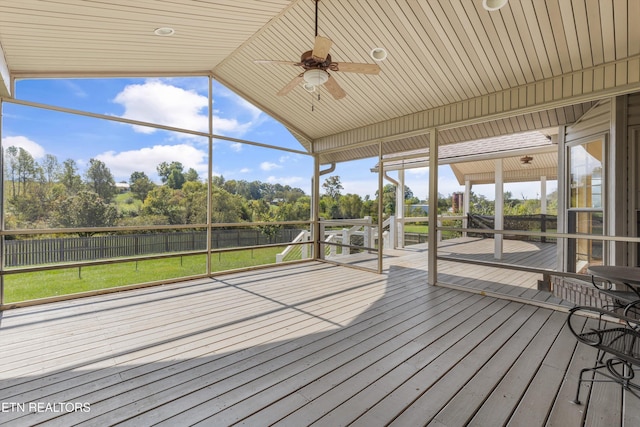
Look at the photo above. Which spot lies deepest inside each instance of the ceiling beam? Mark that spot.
(590, 84)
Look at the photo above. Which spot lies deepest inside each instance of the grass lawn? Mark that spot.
(127, 204)
(42, 284)
(415, 228)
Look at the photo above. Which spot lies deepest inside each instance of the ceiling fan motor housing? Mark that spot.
(309, 62)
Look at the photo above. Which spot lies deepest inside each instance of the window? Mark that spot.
(586, 181)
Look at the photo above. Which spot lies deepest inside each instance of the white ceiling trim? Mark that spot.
(5, 76)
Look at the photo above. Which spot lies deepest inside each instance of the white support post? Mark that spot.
(398, 226)
(393, 232)
(499, 211)
(367, 232)
(316, 232)
(432, 253)
(543, 195)
(380, 205)
(466, 203)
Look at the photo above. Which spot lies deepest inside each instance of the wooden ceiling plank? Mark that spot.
(582, 30)
(452, 37)
(552, 48)
(633, 29)
(428, 53)
(598, 30)
(525, 46)
(480, 43)
(495, 27)
(567, 29)
(356, 45)
(426, 94)
(621, 27)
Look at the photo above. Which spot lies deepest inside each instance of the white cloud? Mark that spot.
(361, 187)
(74, 88)
(33, 148)
(418, 172)
(294, 181)
(156, 101)
(267, 166)
(146, 160)
(245, 170)
(285, 180)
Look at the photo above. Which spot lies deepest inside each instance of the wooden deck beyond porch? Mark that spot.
(304, 344)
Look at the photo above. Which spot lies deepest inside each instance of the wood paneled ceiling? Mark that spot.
(451, 64)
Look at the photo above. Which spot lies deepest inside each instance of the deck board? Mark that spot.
(307, 344)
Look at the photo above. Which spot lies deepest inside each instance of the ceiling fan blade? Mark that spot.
(269, 61)
(334, 88)
(293, 83)
(352, 67)
(321, 48)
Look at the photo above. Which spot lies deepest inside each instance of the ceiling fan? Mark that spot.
(317, 63)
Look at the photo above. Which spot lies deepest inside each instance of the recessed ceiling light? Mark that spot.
(378, 54)
(492, 5)
(164, 31)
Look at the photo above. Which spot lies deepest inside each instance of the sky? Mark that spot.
(182, 103)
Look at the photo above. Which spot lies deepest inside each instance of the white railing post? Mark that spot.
(304, 249)
(346, 240)
(321, 239)
(367, 233)
(393, 233)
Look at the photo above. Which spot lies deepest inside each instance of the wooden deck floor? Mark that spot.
(293, 345)
(514, 283)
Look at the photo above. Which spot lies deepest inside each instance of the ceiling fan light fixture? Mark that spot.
(526, 161)
(378, 54)
(492, 5)
(309, 87)
(315, 77)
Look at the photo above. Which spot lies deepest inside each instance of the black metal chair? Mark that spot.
(617, 339)
(621, 299)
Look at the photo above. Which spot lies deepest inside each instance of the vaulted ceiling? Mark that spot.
(451, 65)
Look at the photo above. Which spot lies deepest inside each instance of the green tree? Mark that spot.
(478, 204)
(191, 175)
(332, 187)
(217, 181)
(171, 174)
(176, 179)
(194, 202)
(300, 210)
(350, 206)
(140, 185)
(227, 207)
(69, 177)
(164, 201)
(24, 170)
(51, 168)
(85, 209)
(11, 169)
(100, 180)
